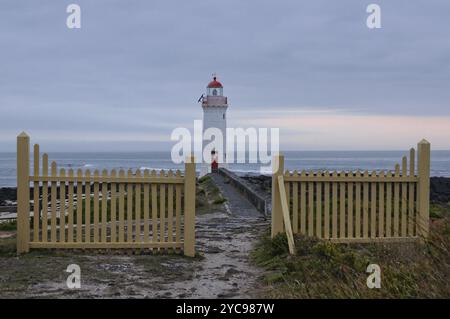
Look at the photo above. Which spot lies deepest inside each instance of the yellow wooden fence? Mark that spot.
(103, 210)
(354, 206)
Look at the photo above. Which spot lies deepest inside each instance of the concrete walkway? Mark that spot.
(237, 204)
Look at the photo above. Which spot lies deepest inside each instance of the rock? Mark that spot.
(440, 189)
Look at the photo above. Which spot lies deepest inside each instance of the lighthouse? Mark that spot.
(214, 106)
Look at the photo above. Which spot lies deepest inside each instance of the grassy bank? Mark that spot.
(209, 197)
(325, 270)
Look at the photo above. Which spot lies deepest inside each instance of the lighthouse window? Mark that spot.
(224, 116)
(214, 92)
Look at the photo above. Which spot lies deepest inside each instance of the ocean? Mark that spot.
(324, 160)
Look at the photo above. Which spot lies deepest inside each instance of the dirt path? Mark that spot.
(222, 269)
(226, 240)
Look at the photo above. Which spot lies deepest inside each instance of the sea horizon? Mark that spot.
(294, 160)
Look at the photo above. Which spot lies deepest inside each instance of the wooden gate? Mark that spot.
(354, 206)
(113, 210)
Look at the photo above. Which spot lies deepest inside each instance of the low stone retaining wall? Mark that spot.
(261, 203)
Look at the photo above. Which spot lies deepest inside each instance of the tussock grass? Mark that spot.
(208, 197)
(325, 270)
(8, 225)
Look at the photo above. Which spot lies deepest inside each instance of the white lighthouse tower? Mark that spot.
(214, 116)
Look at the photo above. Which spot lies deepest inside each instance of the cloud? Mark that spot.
(343, 131)
(137, 68)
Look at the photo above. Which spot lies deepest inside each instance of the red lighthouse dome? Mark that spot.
(215, 84)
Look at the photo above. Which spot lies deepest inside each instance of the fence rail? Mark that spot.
(113, 210)
(354, 206)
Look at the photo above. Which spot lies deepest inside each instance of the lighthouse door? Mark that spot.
(214, 162)
(214, 166)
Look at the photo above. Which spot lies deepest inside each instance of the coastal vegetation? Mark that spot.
(321, 269)
(209, 197)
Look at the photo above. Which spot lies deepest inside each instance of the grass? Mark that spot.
(8, 225)
(219, 201)
(8, 247)
(209, 197)
(439, 210)
(325, 270)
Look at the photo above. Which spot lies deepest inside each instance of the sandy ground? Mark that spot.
(222, 268)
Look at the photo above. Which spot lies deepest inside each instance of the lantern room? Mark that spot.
(214, 88)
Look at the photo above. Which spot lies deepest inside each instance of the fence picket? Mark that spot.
(388, 230)
(79, 207)
(303, 205)
(137, 209)
(162, 209)
(277, 217)
(121, 208)
(366, 207)
(62, 205)
(170, 209)
(53, 204)
(44, 198)
(96, 207)
(286, 217)
(104, 206)
(358, 206)
(342, 216)
(23, 193)
(178, 209)
(36, 193)
(146, 207)
(87, 201)
(319, 207)
(295, 204)
(350, 209)
(154, 209)
(129, 209)
(381, 194)
(373, 205)
(334, 196)
(113, 207)
(423, 186)
(411, 192)
(311, 206)
(189, 206)
(326, 196)
(404, 218)
(70, 210)
(288, 195)
(396, 202)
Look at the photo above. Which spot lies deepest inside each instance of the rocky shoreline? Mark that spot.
(439, 189)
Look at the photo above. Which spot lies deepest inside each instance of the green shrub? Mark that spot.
(204, 179)
(321, 269)
(219, 201)
(8, 226)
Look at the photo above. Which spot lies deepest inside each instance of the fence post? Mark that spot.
(23, 193)
(286, 216)
(423, 166)
(277, 217)
(189, 207)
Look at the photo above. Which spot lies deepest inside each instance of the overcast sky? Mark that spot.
(135, 70)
